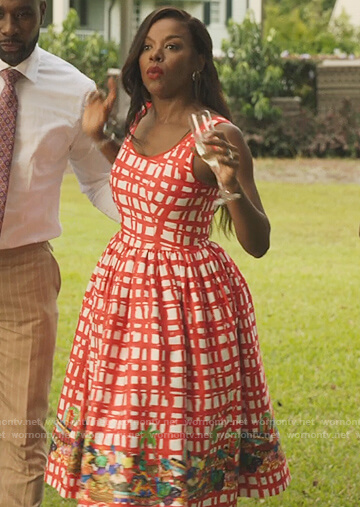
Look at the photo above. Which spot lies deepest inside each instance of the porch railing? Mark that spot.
(82, 33)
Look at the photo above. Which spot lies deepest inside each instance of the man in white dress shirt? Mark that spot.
(51, 96)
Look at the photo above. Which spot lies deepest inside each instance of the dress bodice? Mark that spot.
(161, 203)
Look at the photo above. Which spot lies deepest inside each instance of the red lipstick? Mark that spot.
(154, 72)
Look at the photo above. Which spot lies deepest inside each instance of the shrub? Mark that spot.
(250, 71)
(92, 55)
(337, 133)
(285, 137)
(334, 134)
(300, 80)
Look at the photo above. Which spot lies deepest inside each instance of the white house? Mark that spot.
(119, 19)
(350, 7)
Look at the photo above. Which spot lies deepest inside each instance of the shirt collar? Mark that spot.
(29, 67)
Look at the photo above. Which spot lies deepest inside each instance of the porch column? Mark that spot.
(126, 24)
(256, 7)
(60, 11)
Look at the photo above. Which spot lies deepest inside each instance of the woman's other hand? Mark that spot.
(97, 110)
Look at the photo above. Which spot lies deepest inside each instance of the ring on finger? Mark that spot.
(230, 154)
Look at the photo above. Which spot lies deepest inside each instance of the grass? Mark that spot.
(306, 292)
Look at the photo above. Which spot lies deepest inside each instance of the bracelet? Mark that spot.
(230, 196)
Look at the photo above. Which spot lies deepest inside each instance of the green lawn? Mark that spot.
(306, 292)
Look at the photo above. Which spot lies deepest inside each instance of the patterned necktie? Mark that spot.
(8, 112)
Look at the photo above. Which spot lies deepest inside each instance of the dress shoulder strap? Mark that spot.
(219, 119)
(138, 117)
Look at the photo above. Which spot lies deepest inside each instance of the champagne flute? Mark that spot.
(201, 125)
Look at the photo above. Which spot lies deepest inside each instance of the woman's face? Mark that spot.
(168, 60)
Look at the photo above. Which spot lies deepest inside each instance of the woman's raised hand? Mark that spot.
(97, 110)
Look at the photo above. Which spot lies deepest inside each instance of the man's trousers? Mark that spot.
(29, 285)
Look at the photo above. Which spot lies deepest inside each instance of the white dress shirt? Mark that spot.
(51, 98)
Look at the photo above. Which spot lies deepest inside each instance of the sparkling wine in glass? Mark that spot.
(201, 125)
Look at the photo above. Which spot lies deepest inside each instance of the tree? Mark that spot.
(286, 6)
(306, 28)
(92, 55)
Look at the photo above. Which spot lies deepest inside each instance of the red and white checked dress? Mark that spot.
(165, 400)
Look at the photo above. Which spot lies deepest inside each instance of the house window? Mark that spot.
(215, 12)
(211, 12)
(48, 15)
(81, 8)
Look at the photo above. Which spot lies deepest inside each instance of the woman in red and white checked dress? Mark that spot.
(165, 401)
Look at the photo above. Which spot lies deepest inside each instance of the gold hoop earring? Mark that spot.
(195, 75)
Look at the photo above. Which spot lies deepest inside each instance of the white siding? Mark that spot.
(218, 29)
(351, 7)
(97, 15)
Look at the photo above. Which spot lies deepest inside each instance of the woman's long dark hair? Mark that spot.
(208, 93)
